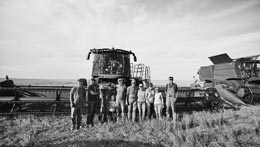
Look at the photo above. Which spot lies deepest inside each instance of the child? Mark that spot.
(77, 99)
(113, 109)
(111, 94)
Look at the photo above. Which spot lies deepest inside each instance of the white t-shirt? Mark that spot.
(158, 99)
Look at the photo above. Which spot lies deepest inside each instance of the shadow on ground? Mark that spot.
(102, 143)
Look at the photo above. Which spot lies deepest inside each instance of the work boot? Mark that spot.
(78, 124)
(73, 126)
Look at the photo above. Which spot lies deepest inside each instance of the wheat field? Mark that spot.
(230, 128)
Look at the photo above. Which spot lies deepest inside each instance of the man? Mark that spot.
(131, 96)
(93, 96)
(171, 96)
(77, 99)
(121, 96)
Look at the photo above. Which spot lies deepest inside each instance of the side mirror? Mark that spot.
(88, 55)
(135, 59)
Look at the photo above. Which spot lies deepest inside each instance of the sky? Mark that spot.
(50, 39)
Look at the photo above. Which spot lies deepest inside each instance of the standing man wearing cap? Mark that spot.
(93, 96)
(121, 96)
(77, 99)
(171, 96)
(131, 96)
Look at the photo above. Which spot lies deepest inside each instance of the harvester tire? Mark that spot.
(238, 88)
(212, 99)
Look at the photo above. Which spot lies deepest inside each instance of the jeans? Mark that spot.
(132, 110)
(141, 110)
(92, 106)
(150, 110)
(158, 110)
(104, 113)
(76, 114)
(121, 107)
(170, 101)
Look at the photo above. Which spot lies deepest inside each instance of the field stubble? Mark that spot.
(231, 128)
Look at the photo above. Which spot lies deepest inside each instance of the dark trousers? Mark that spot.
(112, 116)
(76, 116)
(92, 106)
(150, 110)
(104, 113)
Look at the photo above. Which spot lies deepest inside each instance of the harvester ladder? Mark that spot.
(138, 71)
(141, 71)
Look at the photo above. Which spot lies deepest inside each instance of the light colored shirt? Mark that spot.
(141, 96)
(78, 94)
(121, 92)
(149, 95)
(158, 98)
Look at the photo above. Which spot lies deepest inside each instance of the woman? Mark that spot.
(158, 103)
(149, 96)
(141, 102)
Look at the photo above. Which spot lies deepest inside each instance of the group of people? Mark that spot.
(143, 101)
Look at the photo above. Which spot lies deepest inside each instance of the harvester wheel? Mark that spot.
(248, 95)
(212, 99)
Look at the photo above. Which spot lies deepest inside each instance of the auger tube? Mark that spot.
(228, 96)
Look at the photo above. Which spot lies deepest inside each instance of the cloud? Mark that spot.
(172, 36)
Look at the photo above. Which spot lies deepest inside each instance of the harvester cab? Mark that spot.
(111, 64)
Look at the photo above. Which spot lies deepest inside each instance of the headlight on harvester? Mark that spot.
(207, 95)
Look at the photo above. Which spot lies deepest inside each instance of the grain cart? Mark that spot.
(238, 79)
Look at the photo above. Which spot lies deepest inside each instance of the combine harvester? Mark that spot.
(237, 81)
(108, 66)
(111, 64)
